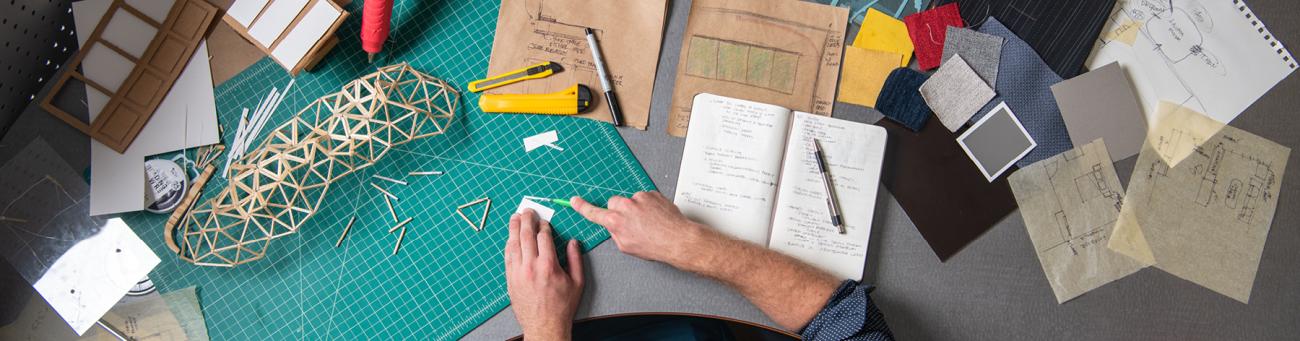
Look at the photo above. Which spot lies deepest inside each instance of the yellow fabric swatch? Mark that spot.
(882, 32)
(864, 73)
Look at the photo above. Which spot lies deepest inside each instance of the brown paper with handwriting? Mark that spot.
(780, 52)
(629, 33)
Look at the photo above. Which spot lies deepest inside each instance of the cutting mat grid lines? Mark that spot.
(447, 278)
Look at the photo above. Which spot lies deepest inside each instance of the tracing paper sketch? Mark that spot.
(1206, 219)
(1214, 57)
(1069, 203)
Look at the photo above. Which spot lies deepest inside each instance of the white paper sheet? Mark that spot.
(186, 118)
(547, 139)
(275, 20)
(128, 32)
(87, 280)
(244, 11)
(730, 164)
(1210, 56)
(801, 225)
(542, 211)
(306, 33)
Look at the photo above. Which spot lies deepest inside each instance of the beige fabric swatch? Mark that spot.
(1070, 202)
(955, 93)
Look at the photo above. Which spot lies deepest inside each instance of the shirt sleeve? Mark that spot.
(849, 315)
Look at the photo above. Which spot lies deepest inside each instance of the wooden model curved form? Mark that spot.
(278, 186)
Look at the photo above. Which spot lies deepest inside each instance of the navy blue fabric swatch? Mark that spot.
(900, 98)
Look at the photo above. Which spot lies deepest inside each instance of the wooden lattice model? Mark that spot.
(278, 186)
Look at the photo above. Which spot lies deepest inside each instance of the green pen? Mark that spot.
(561, 202)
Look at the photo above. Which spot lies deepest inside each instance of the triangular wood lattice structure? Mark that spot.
(482, 219)
(278, 186)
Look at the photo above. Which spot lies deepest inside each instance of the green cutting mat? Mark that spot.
(447, 278)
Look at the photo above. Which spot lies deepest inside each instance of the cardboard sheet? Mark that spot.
(1062, 32)
(882, 32)
(186, 118)
(955, 93)
(1206, 219)
(1070, 203)
(940, 189)
(1025, 84)
(629, 32)
(1102, 104)
(785, 53)
(864, 74)
(1215, 57)
(928, 30)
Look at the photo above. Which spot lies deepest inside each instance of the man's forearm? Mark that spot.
(787, 290)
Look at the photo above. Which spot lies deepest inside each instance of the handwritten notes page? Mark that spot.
(801, 224)
(730, 166)
(748, 171)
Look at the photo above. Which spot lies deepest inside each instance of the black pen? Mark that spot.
(616, 115)
(831, 202)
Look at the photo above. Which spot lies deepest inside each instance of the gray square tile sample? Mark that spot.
(955, 93)
(981, 51)
(1102, 104)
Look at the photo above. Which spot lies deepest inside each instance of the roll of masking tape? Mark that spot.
(166, 184)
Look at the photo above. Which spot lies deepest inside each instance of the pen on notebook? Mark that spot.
(831, 203)
(616, 115)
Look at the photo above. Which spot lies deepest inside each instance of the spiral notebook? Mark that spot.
(1215, 57)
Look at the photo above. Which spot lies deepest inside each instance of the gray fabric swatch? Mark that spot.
(981, 51)
(955, 92)
(1025, 83)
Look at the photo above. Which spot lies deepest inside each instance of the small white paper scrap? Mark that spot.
(542, 211)
(547, 139)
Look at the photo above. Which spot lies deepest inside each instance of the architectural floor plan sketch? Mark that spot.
(1213, 57)
(1206, 219)
(785, 53)
(1070, 203)
(535, 31)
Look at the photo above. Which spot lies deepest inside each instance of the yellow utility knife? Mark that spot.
(532, 72)
(574, 100)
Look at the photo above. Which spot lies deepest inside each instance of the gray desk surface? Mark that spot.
(993, 289)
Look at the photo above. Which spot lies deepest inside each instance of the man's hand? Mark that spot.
(544, 296)
(647, 226)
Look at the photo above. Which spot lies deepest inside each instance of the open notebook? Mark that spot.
(748, 171)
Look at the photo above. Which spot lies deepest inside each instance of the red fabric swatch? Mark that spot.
(928, 30)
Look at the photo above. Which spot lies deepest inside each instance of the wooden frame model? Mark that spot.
(280, 185)
(245, 14)
(138, 93)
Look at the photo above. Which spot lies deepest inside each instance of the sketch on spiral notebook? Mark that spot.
(1214, 57)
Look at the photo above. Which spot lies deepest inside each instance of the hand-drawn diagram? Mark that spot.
(765, 51)
(743, 63)
(1069, 203)
(1214, 57)
(1206, 219)
(535, 31)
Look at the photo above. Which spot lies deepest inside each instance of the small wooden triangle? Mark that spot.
(481, 220)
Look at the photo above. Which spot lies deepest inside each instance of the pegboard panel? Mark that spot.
(36, 38)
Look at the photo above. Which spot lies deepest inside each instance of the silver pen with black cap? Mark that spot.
(831, 203)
